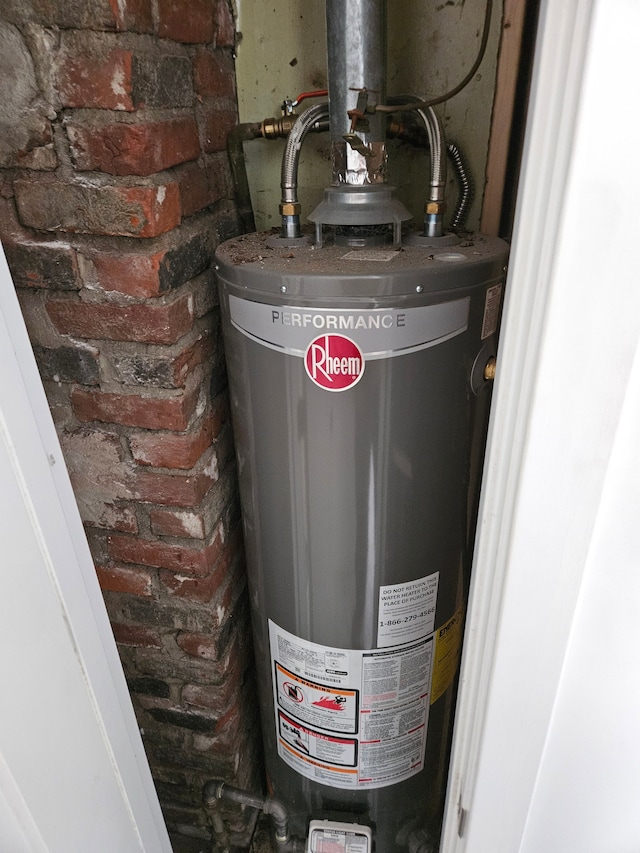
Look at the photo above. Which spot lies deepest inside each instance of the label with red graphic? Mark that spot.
(350, 718)
(299, 738)
(320, 705)
(334, 362)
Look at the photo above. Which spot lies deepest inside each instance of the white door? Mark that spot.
(547, 746)
(73, 774)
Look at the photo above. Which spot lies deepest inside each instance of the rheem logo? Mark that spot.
(334, 362)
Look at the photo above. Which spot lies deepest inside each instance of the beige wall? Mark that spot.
(431, 46)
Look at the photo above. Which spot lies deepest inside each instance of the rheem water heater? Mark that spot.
(358, 366)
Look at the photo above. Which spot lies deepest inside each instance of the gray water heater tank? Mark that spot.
(360, 407)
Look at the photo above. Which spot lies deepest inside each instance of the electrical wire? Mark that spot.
(421, 105)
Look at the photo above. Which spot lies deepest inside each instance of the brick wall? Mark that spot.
(114, 191)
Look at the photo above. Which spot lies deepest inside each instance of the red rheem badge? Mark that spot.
(334, 362)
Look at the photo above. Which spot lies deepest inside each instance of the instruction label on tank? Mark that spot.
(349, 718)
(407, 611)
(330, 837)
(447, 655)
(491, 311)
(377, 332)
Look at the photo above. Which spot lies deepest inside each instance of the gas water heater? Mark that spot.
(359, 361)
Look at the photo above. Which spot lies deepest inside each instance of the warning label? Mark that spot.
(340, 751)
(407, 611)
(317, 704)
(348, 718)
(447, 658)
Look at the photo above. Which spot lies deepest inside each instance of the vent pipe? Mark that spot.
(357, 60)
(359, 205)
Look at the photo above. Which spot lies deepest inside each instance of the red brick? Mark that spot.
(133, 409)
(68, 364)
(50, 265)
(218, 697)
(84, 208)
(163, 369)
(215, 125)
(133, 149)
(136, 635)
(99, 80)
(191, 26)
(225, 28)
(117, 579)
(136, 275)
(206, 589)
(223, 737)
(193, 560)
(205, 294)
(152, 270)
(204, 696)
(160, 208)
(199, 352)
(226, 733)
(199, 645)
(133, 15)
(197, 190)
(166, 450)
(147, 323)
(197, 722)
(159, 368)
(166, 522)
(214, 73)
(202, 590)
(220, 177)
(174, 490)
(163, 80)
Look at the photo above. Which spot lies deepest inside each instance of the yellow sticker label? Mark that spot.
(447, 655)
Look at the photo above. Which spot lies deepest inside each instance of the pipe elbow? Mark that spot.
(277, 811)
(212, 792)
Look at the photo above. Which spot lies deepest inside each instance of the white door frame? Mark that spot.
(570, 333)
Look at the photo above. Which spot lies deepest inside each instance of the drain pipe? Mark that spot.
(216, 790)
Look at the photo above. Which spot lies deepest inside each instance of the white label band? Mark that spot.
(378, 332)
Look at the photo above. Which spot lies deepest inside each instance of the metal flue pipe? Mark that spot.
(357, 52)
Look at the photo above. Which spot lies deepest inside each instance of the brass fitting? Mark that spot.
(432, 207)
(490, 369)
(395, 128)
(278, 128)
(290, 208)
